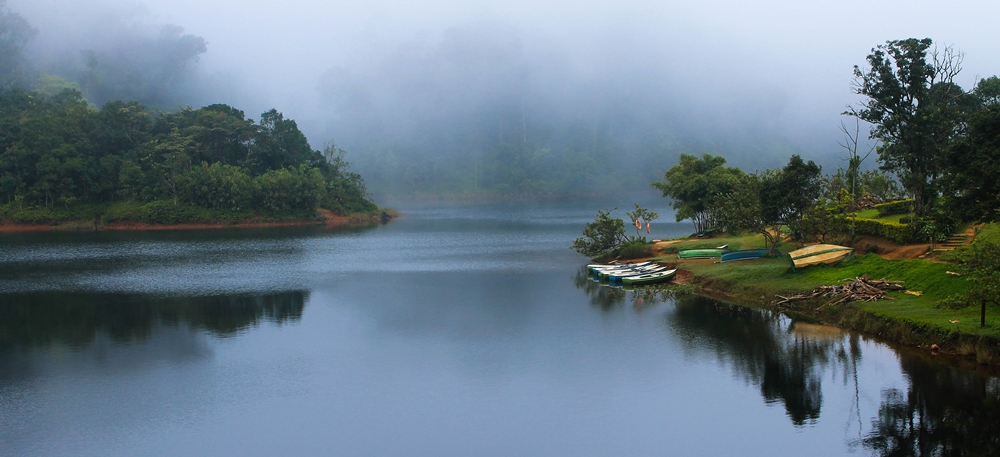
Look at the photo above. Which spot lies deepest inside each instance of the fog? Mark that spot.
(425, 96)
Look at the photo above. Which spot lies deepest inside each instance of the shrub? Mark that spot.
(894, 207)
(602, 236)
(634, 250)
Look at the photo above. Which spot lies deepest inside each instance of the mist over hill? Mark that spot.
(525, 98)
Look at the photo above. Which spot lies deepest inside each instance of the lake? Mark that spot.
(452, 331)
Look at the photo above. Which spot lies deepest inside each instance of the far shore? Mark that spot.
(329, 219)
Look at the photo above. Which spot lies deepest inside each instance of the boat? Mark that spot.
(650, 278)
(622, 271)
(819, 253)
(702, 253)
(745, 254)
(619, 276)
(616, 266)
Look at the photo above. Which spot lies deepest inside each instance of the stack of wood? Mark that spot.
(857, 289)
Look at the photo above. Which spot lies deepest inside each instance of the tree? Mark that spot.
(602, 236)
(741, 209)
(693, 183)
(973, 161)
(15, 34)
(640, 216)
(914, 108)
(981, 264)
(788, 195)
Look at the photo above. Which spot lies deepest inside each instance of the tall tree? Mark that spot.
(788, 195)
(15, 33)
(693, 183)
(914, 108)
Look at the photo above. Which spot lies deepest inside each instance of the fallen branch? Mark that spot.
(857, 289)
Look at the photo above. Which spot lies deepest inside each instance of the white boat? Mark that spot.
(619, 276)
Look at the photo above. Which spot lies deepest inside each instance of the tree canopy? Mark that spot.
(694, 182)
(915, 110)
(58, 151)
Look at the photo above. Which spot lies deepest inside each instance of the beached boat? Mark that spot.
(702, 253)
(619, 276)
(650, 278)
(622, 271)
(819, 253)
(745, 254)
(616, 266)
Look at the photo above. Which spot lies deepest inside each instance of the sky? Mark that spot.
(783, 65)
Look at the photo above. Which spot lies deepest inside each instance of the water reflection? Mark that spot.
(76, 319)
(945, 412)
(758, 345)
(607, 298)
(760, 348)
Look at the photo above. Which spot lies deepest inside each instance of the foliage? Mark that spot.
(635, 249)
(56, 151)
(895, 207)
(915, 110)
(970, 182)
(790, 193)
(980, 263)
(640, 216)
(742, 210)
(693, 183)
(15, 34)
(602, 236)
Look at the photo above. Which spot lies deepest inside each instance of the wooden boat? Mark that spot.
(745, 254)
(702, 253)
(819, 253)
(650, 278)
(619, 276)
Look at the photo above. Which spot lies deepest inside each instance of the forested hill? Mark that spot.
(59, 154)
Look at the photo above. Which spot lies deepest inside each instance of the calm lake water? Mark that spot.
(450, 332)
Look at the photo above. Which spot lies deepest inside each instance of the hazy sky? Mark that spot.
(786, 64)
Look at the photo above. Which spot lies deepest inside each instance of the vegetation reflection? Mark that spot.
(75, 319)
(945, 412)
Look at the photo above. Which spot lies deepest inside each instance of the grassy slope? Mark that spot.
(760, 280)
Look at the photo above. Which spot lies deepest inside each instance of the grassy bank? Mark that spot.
(160, 212)
(908, 319)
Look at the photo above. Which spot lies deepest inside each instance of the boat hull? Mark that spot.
(651, 278)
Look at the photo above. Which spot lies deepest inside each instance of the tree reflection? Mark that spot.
(760, 348)
(41, 319)
(758, 345)
(946, 411)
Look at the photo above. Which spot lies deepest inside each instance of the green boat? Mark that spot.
(650, 278)
(701, 253)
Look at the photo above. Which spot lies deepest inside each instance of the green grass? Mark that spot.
(873, 214)
(757, 282)
(735, 242)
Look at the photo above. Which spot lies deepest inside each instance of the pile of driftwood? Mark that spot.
(857, 289)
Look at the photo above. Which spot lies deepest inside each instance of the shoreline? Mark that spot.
(328, 219)
(973, 348)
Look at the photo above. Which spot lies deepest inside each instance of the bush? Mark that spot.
(894, 207)
(893, 231)
(602, 236)
(634, 250)
(871, 249)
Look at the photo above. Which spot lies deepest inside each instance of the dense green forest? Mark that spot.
(63, 158)
(58, 152)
